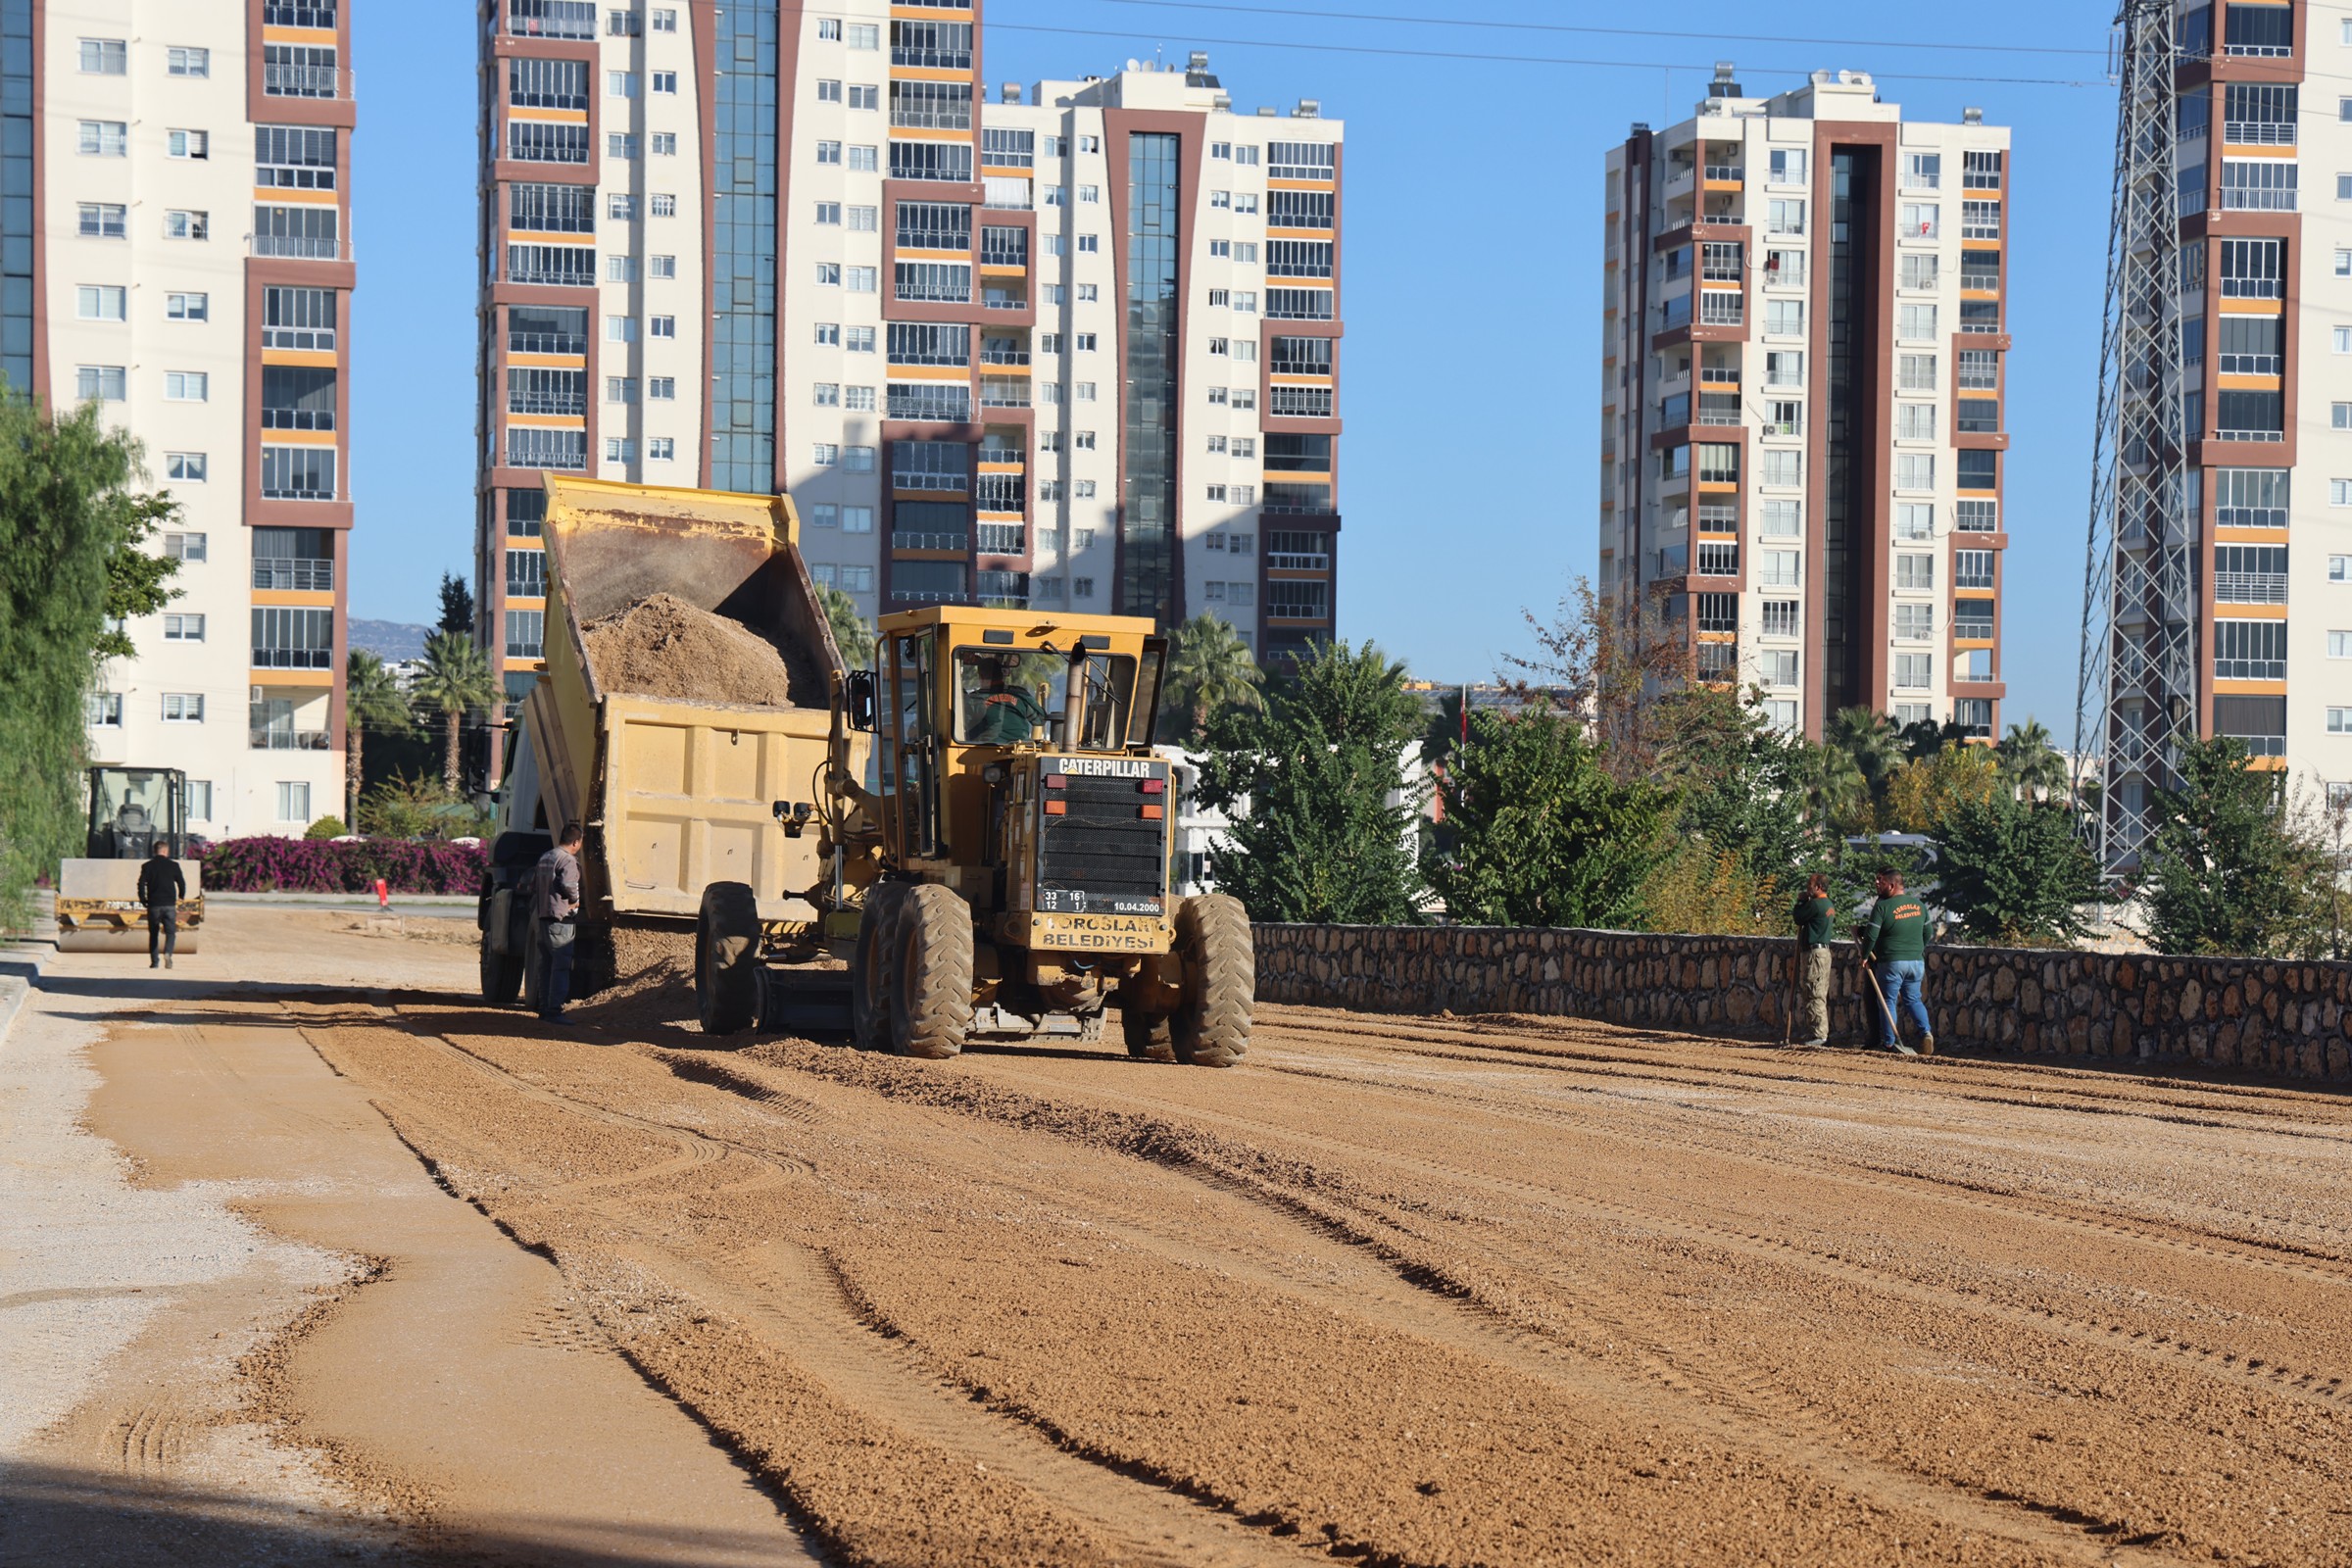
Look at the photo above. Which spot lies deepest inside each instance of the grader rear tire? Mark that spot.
(931, 993)
(870, 966)
(1212, 1029)
(726, 958)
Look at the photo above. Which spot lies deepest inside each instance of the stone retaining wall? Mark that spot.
(2291, 1018)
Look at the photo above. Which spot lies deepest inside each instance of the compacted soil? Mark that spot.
(1395, 1290)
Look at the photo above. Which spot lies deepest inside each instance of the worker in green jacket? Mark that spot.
(998, 712)
(1815, 919)
(1894, 942)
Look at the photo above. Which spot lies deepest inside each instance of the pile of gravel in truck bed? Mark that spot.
(661, 646)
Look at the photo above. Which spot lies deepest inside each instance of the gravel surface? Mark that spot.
(1442, 1290)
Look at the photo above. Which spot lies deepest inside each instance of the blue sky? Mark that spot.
(1471, 389)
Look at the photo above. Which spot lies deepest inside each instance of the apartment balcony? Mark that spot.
(298, 14)
(1004, 247)
(931, 59)
(943, 117)
(2259, 133)
(904, 539)
(911, 479)
(1003, 356)
(551, 19)
(280, 80)
(300, 247)
(1004, 392)
(291, 658)
(1003, 538)
(289, 575)
(278, 737)
(2249, 587)
(1719, 408)
(1299, 561)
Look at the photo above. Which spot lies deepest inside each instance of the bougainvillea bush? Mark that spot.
(312, 866)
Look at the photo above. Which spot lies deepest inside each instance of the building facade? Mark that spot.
(2266, 403)
(1805, 340)
(175, 245)
(1075, 347)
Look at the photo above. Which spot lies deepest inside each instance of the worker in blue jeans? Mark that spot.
(1894, 942)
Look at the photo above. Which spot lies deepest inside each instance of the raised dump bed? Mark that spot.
(690, 668)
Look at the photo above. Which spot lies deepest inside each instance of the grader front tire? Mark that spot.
(931, 997)
(726, 958)
(871, 973)
(1212, 1028)
(1146, 1035)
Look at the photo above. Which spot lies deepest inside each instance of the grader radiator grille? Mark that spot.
(1102, 842)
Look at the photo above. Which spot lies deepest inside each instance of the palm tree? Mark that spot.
(455, 680)
(851, 634)
(371, 701)
(1871, 741)
(1834, 787)
(2033, 765)
(1212, 667)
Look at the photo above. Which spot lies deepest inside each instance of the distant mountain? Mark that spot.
(391, 641)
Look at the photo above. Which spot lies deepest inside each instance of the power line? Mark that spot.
(1610, 32)
(1537, 60)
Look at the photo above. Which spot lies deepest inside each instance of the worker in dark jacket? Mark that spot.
(1815, 920)
(160, 888)
(1894, 942)
(558, 909)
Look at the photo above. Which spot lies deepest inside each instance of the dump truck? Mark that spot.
(673, 793)
(132, 811)
(971, 841)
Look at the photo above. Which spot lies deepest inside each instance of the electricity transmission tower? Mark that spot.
(2135, 693)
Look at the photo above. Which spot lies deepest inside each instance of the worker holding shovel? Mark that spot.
(1894, 953)
(1815, 920)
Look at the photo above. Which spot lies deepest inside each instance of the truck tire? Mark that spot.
(870, 967)
(1146, 1035)
(502, 972)
(534, 963)
(1212, 1029)
(726, 958)
(931, 994)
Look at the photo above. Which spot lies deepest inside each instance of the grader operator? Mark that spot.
(1015, 832)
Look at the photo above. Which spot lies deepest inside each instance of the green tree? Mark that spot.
(453, 681)
(1835, 791)
(372, 703)
(137, 582)
(851, 632)
(2015, 872)
(1321, 815)
(1925, 791)
(1739, 781)
(1542, 834)
(1210, 667)
(2030, 765)
(1872, 743)
(2226, 871)
(67, 513)
(457, 606)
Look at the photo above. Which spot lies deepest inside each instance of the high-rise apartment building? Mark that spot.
(1804, 337)
(1073, 348)
(175, 222)
(2266, 258)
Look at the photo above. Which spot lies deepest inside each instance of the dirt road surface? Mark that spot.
(381, 1270)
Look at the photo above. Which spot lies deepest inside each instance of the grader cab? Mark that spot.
(1018, 825)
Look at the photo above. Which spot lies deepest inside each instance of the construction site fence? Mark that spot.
(2290, 1018)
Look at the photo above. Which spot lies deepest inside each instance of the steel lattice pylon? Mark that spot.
(2136, 688)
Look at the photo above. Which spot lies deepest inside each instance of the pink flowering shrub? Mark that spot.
(312, 866)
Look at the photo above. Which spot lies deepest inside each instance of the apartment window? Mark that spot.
(1919, 268)
(2251, 268)
(664, 21)
(1915, 422)
(1915, 470)
(104, 57)
(187, 386)
(307, 473)
(1787, 166)
(1781, 568)
(1921, 220)
(193, 144)
(661, 449)
(2258, 185)
(858, 340)
(663, 82)
(186, 468)
(1914, 521)
(1914, 570)
(619, 449)
(102, 221)
(1784, 367)
(183, 628)
(2256, 650)
(185, 62)
(619, 144)
(1779, 617)
(103, 138)
(1785, 318)
(184, 224)
(103, 302)
(1780, 467)
(1784, 268)
(1779, 518)
(1976, 517)
(1915, 321)
(1914, 622)
(663, 206)
(1718, 463)
(1785, 216)
(1914, 671)
(617, 388)
(2340, 645)
(1915, 373)
(1978, 470)
(1982, 219)
(101, 383)
(863, 281)
(620, 268)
